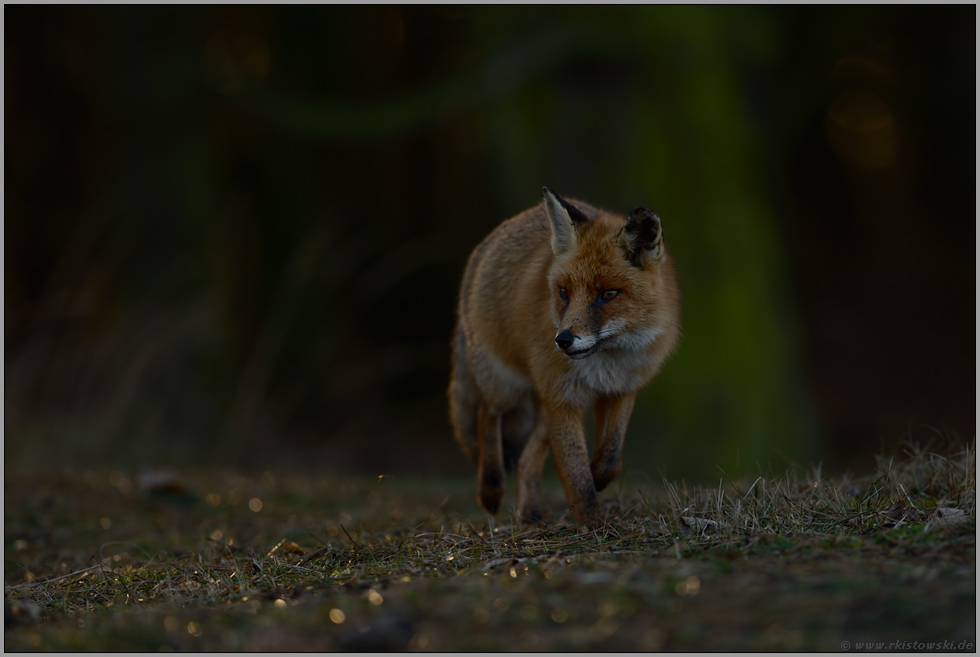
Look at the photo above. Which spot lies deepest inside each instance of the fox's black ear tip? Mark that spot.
(547, 190)
(641, 212)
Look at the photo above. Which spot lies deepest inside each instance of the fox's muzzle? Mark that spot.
(575, 346)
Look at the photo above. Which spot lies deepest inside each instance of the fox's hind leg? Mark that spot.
(529, 471)
(490, 464)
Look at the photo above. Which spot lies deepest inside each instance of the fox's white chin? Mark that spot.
(584, 353)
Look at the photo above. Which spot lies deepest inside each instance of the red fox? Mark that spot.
(562, 306)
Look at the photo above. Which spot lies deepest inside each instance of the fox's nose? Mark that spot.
(564, 340)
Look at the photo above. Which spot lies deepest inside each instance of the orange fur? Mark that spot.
(561, 307)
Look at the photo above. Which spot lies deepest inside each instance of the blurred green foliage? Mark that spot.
(234, 234)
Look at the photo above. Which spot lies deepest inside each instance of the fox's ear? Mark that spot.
(565, 217)
(642, 237)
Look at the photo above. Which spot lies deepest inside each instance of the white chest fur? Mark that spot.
(609, 372)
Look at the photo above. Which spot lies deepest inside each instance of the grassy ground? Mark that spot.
(209, 561)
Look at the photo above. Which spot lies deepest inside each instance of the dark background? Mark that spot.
(234, 235)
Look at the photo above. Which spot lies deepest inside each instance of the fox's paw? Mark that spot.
(491, 492)
(490, 501)
(587, 509)
(591, 520)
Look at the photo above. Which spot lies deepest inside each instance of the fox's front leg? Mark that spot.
(490, 463)
(612, 414)
(529, 469)
(567, 437)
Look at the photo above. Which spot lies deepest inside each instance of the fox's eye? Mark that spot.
(610, 294)
(563, 292)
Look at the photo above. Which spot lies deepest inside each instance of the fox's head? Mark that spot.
(611, 285)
